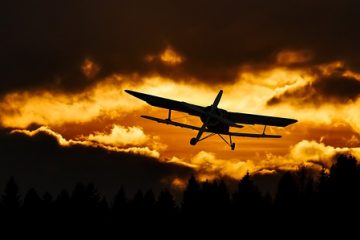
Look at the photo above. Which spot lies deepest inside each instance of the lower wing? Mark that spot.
(236, 134)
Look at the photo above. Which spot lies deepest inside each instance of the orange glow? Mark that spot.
(333, 67)
(89, 68)
(209, 166)
(169, 56)
(311, 142)
(120, 136)
(287, 57)
(178, 183)
(124, 136)
(21, 109)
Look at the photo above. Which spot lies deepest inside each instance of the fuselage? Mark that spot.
(214, 124)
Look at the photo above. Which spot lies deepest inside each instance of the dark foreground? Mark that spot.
(303, 201)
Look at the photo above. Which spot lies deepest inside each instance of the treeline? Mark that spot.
(299, 194)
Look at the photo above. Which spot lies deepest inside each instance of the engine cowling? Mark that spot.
(214, 124)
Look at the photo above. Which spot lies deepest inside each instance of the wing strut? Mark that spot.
(169, 115)
(231, 144)
(207, 136)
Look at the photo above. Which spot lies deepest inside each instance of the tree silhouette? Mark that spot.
(62, 208)
(247, 200)
(306, 190)
(223, 193)
(302, 194)
(222, 199)
(119, 206)
(191, 203)
(103, 212)
(343, 174)
(32, 208)
(287, 193)
(342, 181)
(136, 207)
(323, 187)
(85, 204)
(214, 199)
(63, 200)
(10, 204)
(149, 203)
(47, 198)
(166, 205)
(10, 199)
(32, 201)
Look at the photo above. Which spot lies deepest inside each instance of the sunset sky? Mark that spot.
(64, 67)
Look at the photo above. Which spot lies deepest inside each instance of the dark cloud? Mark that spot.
(45, 42)
(39, 161)
(335, 88)
(339, 88)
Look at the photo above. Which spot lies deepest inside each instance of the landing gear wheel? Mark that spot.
(193, 141)
(233, 146)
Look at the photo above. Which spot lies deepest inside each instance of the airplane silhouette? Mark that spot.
(216, 121)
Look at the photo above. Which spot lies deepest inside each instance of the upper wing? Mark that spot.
(260, 119)
(168, 103)
(198, 110)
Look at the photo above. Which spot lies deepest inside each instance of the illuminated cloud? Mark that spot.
(208, 166)
(289, 57)
(305, 153)
(90, 68)
(110, 146)
(308, 153)
(105, 99)
(168, 57)
(146, 151)
(20, 109)
(275, 91)
(43, 129)
(120, 136)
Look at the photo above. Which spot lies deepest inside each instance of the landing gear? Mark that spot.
(193, 141)
(232, 144)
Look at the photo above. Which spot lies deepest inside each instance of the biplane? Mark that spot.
(215, 121)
